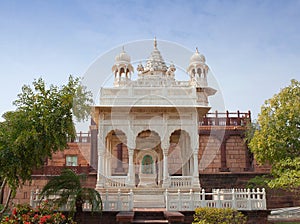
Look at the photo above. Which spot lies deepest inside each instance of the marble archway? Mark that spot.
(148, 159)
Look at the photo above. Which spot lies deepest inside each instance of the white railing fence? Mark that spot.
(119, 201)
(182, 200)
(35, 201)
(111, 201)
(181, 182)
(240, 199)
(116, 182)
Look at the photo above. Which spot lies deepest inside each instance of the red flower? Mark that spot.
(14, 212)
(43, 219)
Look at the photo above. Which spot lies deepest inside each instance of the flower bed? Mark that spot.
(46, 213)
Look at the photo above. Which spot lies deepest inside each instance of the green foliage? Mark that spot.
(41, 124)
(69, 188)
(251, 128)
(276, 139)
(258, 182)
(46, 213)
(218, 216)
(286, 174)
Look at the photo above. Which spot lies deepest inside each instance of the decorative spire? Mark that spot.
(197, 50)
(155, 64)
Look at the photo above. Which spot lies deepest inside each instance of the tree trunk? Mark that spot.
(6, 203)
(79, 211)
(2, 190)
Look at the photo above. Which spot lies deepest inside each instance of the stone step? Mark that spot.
(149, 217)
(148, 205)
(152, 197)
(146, 215)
(148, 201)
(150, 221)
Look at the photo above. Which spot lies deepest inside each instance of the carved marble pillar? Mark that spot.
(166, 179)
(131, 174)
(160, 173)
(100, 176)
(196, 182)
(191, 165)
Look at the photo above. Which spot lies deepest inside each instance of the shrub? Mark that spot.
(218, 216)
(44, 214)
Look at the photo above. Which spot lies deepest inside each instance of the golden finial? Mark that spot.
(155, 42)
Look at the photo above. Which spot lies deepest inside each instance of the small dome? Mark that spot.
(197, 58)
(122, 57)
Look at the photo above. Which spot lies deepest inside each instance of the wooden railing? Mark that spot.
(226, 119)
(82, 137)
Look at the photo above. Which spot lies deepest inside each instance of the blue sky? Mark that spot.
(252, 47)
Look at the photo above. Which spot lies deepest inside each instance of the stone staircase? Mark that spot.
(149, 198)
(154, 217)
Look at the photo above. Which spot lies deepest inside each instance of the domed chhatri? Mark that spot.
(122, 69)
(197, 58)
(122, 57)
(198, 70)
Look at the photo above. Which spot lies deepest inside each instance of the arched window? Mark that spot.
(122, 71)
(199, 72)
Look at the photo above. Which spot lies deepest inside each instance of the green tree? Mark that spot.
(68, 187)
(276, 139)
(41, 125)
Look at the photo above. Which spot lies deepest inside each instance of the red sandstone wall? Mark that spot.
(38, 182)
(85, 149)
(59, 158)
(209, 154)
(236, 154)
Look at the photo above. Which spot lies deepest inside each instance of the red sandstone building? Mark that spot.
(231, 167)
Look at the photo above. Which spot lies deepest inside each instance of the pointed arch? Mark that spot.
(180, 153)
(147, 139)
(116, 152)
